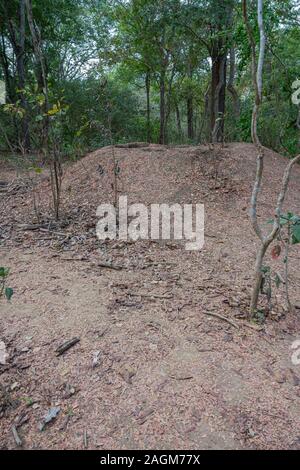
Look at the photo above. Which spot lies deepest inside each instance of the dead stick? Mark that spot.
(85, 439)
(217, 315)
(253, 327)
(155, 296)
(110, 266)
(48, 230)
(17, 438)
(65, 346)
(26, 227)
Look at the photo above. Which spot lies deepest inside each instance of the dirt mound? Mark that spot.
(221, 179)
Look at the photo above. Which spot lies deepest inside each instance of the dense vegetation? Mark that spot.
(80, 74)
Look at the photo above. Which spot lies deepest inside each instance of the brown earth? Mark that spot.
(152, 369)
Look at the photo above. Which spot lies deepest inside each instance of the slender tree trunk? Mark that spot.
(17, 40)
(7, 75)
(258, 276)
(190, 117)
(286, 267)
(205, 114)
(147, 85)
(190, 108)
(10, 91)
(178, 120)
(162, 89)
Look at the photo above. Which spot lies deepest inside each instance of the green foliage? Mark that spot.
(4, 290)
(260, 316)
(293, 222)
(8, 292)
(98, 54)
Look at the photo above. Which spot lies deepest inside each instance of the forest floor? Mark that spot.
(153, 369)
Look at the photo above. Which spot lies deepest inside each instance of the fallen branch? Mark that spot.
(48, 230)
(17, 438)
(32, 226)
(85, 439)
(253, 327)
(221, 317)
(65, 346)
(183, 377)
(155, 296)
(111, 266)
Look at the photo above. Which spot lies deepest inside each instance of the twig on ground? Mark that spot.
(32, 226)
(155, 296)
(48, 230)
(85, 439)
(17, 438)
(65, 346)
(217, 315)
(111, 266)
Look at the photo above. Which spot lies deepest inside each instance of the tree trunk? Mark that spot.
(231, 88)
(205, 114)
(190, 117)
(18, 45)
(10, 91)
(218, 93)
(189, 106)
(7, 75)
(257, 278)
(162, 86)
(21, 73)
(147, 84)
(178, 120)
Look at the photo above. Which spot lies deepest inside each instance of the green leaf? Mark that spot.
(296, 234)
(265, 269)
(8, 293)
(277, 281)
(4, 271)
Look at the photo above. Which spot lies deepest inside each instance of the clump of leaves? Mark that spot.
(4, 290)
(259, 317)
(292, 222)
(289, 234)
